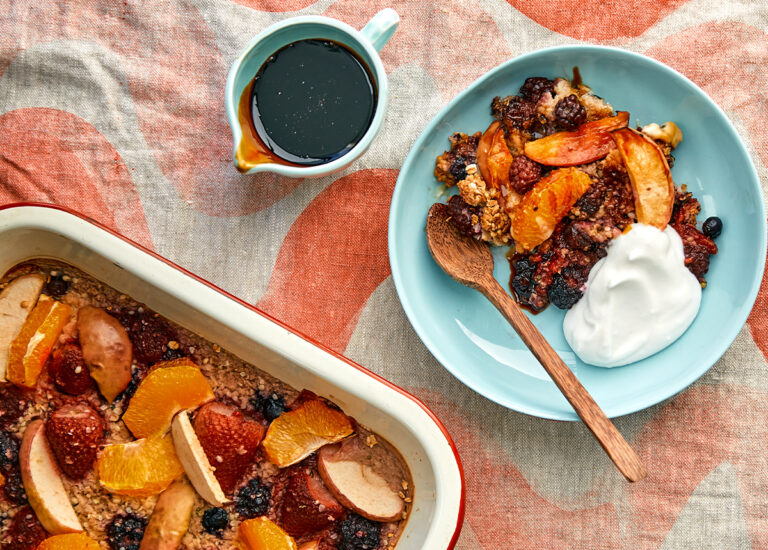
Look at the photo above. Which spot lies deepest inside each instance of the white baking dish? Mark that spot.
(30, 231)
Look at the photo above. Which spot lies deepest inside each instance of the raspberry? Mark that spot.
(570, 113)
(536, 86)
(358, 533)
(125, 531)
(523, 174)
(253, 500)
(68, 370)
(461, 217)
(215, 520)
(25, 531)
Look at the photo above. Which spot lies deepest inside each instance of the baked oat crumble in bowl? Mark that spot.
(142, 407)
(550, 170)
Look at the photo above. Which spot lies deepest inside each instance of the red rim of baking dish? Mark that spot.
(427, 410)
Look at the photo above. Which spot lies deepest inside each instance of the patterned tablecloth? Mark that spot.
(116, 109)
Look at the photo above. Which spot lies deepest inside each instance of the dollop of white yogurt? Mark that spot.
(638, 300)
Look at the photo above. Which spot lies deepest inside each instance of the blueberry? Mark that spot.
(125, 531)
(56, 287)
(712, 227)
(270, 405)
(215, 520)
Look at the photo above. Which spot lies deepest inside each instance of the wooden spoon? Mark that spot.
(470, 262)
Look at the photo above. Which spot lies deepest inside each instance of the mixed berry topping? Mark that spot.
(270, 405)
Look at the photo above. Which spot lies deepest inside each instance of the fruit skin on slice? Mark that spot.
(262, 534)
(141, 468)
(43, 483)
(170, 519)
(164, 392)
(493, 157)
(649, 175)
(74, 432)
(71, 541)
(534, 218)
(296, 434)
(357, 485)
(229, 440)
(16, 302)
(590, 142)
(32, 346)
(195, 462)
(107, 351)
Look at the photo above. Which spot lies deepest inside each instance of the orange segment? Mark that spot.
(261, 534)
(140, 468)
(30, 349)
(165, 391)
(534, 218)
(294, 435)
(71, 541)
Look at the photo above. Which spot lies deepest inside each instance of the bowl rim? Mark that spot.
(742, 311)
(231, 100)
(377, 378)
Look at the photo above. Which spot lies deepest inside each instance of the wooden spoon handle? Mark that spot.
(594, 418)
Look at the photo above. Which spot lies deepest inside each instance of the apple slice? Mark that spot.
(194, 460)
(649, 174)
(107, 350)
(170, 519)
(16, 301)
(351, 475)
(590, 142)
(43, 483)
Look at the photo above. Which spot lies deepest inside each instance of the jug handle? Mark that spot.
(381, 27)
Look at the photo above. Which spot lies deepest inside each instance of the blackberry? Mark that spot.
(359, 533)
(536, 86)
(271, 405)
(522, 279)
(125, 531)
(570, 113)
(461, 217)
(14, 488)
(215, 520)
(519, 113)
(171, 354)
(458, 168)
(56, 286)
(9, 452)
(712, 227)
(561, 293)
(523, 174)
(252, 500)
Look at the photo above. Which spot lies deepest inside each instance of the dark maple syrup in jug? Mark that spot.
(312, 101)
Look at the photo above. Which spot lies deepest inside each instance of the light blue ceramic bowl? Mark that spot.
(471, 339)
(365, 42)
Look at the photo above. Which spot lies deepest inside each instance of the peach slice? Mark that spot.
(649, 174)
(590, 142)
(262, 534)
(16, 301)
(311, 545)
(195, 462)
(170, 519)
(70, 541)
(296, 434)
(43, 484)
(107, 351)
(541, 209)
(493, 157)
(351, 477)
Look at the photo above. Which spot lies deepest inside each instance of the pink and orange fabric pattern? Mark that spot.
(115, 109)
